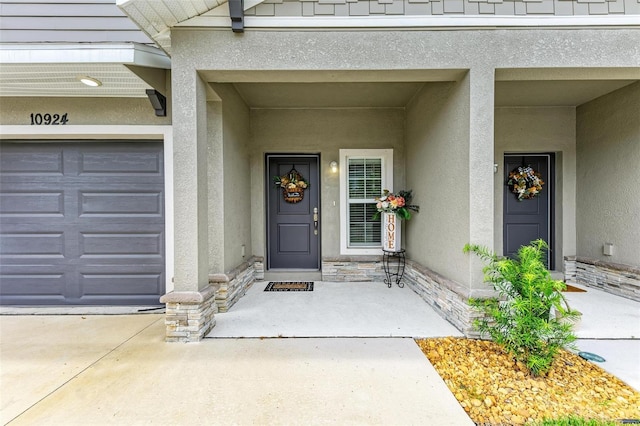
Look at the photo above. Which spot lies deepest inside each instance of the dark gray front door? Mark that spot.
(530, 219)
(82, 223)
(293, 238)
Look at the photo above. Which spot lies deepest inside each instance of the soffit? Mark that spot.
(156, 17)
(52, 70)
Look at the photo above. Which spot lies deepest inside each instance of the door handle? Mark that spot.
(315, 221)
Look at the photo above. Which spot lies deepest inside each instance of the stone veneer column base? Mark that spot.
(614, 278)
(230, 287)
(189, 314)
(449, 298)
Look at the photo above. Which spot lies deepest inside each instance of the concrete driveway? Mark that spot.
(99, 369)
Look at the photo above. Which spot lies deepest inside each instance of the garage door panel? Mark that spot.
(24, 245)
(106, 284)
(82, 223)
(25, 204)
(121, 204)
(134, 245)
(47, 280)
(120, 161)
(38, 160)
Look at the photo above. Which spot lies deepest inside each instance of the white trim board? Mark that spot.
(130, 54)
(71, 132)
(418, 21)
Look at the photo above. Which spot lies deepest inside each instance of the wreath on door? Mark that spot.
(525, 182)
(292, 184)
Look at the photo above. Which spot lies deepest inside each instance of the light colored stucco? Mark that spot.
(322, 131)
(230, 182)
(215, 141)
(350, 55)
(400, 50)
(540, 130)
(438, 172)
(608, 176)
(191, 183)
(81, 111)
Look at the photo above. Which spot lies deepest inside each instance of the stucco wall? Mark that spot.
(85, 111)
(608, 175)
(230, 182)
(437, 166)
(323, 131)
(521, 130)
(393, 55)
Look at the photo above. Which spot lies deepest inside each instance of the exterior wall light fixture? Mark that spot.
(334, 166)
(89, 81)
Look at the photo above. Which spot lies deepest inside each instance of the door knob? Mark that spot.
(315, 221)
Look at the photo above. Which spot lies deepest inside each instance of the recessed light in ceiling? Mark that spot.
(89, 81)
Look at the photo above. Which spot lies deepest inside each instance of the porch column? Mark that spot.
(481, 171)
(190, 307)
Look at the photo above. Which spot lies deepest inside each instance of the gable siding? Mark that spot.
(445, 7)
(59, 21)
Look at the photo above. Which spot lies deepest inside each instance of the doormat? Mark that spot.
(289, 286)
(572, 289)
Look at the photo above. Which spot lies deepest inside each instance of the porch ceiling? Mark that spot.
(328, 95)
(553, 93)
(398, 94)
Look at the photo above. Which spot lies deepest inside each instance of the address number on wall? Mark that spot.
(47, 119)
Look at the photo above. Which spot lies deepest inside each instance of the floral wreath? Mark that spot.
(292, 184)
(525, 182)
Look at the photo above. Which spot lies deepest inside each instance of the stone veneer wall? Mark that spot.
(233, 285)
(189, 314)
(621, 280)
(449, 298)
(352, 268)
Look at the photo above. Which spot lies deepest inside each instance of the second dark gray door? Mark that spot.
(293, 238)
(530, 219)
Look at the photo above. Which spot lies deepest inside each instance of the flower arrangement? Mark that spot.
(525, 182)
(292, 184)
(399, 204)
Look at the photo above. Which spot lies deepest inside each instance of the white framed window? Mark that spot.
(364, 174)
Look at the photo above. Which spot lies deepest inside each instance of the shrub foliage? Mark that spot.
(519, 318)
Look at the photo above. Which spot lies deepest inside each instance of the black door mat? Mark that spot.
(289, 286)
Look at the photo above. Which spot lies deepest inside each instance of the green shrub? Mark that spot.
(519, 318)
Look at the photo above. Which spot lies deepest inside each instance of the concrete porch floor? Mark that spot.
(332, 309)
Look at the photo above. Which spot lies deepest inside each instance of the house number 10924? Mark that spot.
(47, 119)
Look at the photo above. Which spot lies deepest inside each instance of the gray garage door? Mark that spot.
(81, 223)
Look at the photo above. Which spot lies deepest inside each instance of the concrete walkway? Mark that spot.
(96, 369)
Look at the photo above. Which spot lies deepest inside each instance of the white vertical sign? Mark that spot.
(391, 232)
